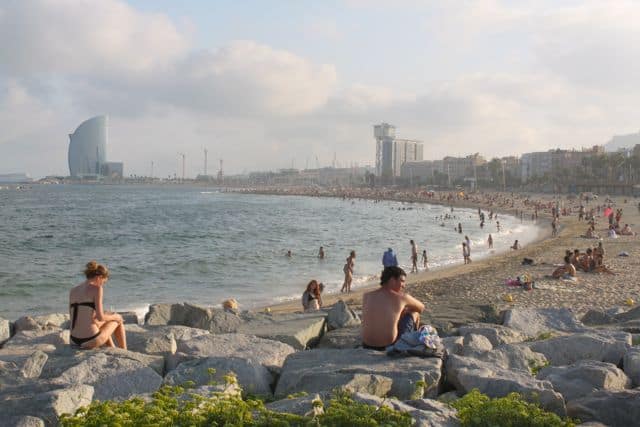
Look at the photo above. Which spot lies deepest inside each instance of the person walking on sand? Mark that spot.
(468, 242)
(91, 326)
(389, 259)
(490, 242)
(414, 256)
(466, 254)
(348, 272)
(389, 312)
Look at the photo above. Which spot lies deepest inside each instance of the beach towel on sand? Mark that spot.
(424, 342)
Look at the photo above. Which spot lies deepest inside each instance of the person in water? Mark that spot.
(348, 272)
(91, 326)
(321, 253)
(389, 312)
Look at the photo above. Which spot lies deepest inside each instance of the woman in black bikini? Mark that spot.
(91, 327)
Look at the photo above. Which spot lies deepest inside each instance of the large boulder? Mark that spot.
(453, 344)
(32, 367)
(341, 338)
(112, 376)
(475, 344)
(45, 321)
(631, 365)
(595, 317)
(517, 357)
(612, 408)
(301, 405)
(23, 421)
(466, 374)
(601, 346)
(251, 375)
(43, 400)
(56, 337)
(633, 314)
(532, 322)
(5, 330)
(321, 370)
(496, 334)
(195, 316)
(150, 340)
(271, 354)
(341, 316)
(298, 330)
(584, 377)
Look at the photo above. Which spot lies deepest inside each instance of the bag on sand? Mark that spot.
(424, 342)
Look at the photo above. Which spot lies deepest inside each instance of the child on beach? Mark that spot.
(424, 259)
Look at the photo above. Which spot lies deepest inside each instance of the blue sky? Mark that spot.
(262, 84)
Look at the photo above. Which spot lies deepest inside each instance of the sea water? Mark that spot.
(179, 243)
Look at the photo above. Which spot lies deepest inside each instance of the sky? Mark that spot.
(274, 84)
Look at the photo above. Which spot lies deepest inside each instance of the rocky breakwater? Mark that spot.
(586, 370)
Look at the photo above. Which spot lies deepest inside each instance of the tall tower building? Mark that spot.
(385, 135)
(87, 147)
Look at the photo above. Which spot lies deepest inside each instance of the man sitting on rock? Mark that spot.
(389, 312)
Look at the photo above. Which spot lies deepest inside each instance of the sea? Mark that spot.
(199, 245)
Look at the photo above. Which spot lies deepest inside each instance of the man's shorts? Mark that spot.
(406, 324)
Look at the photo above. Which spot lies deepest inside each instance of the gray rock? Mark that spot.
(185, 314)
(601, 346)
(321, 370)
(439, 417)
(612, 408)
(56, 337)
(150, 341)
(475, 344)
(533, 322)
(341, 338)
(5, 330)
(252, 376)
(299, 405)
(45, 401)
(376, 385)
(465, 374)
(46, 321)
(112, 376)
(633, 314)
(298, 330)
(26, 323)
(597, 317)
(584, 377)
(514, 357)
(158, 314)
(129, 317)
(32, 367)
(453, 345)
(496, 334)
(631, 365)
(341, 316)
(270, 354)
(23, 421)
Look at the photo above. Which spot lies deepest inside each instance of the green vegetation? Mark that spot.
(535, 366)
(176, 406)
(542, 336)
(478, 410)
(635, 340)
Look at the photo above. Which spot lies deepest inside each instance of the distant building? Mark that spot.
(455, 168)
(392, 152)
(623, 142)
(538, 164)
(88, 151)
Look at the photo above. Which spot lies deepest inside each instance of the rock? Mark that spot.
(423, 418)
(5, 330)
(270, 354)
(368, 383)
(631, 365)
(23, 421)
(129, 317)
(299, 405)
(298, 330)
(466, 373)
(341, 316)
(150, 341)
(533, 322)
(633, 314)
(600, 346)
(185, 314)
(56, 337)
(46, 321)
(514, 357)
(252, 376)
(45, 401)
(597, 317)
(583, 378)
(321, 370)
(475, 344)
(453, 345)
(341, 338)
(496, 334)
(32, 367)
(112, 376)
(158, 314)
(26, 323)
(612, 408)
(445, 414)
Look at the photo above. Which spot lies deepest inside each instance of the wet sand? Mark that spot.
(477, 291)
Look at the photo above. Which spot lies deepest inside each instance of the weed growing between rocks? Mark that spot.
(478, 410)
(177, 406)
(535, 367)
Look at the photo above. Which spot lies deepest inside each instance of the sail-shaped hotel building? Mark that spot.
(88, 150)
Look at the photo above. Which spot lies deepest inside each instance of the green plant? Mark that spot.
(177, 406)
(535, 367)
(478, 410)
(542, 336)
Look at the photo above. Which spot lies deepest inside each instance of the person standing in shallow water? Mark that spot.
(490, 242)
(348, 272)
(321, 253)
(91, 327)
(414, 256)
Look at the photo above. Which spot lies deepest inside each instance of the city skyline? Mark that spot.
(262, 85)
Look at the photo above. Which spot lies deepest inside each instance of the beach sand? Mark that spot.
(477, 291)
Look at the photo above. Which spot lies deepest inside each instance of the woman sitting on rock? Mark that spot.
(311, 299)
(91, 327)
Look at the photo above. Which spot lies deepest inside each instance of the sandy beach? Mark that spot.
(477, 291)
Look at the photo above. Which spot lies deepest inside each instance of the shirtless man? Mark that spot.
(389, 312)
(565, 271)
